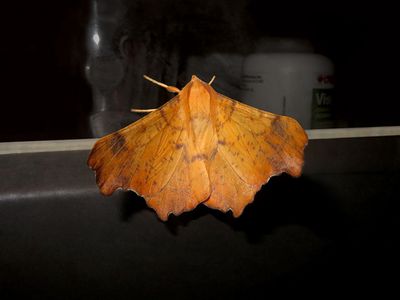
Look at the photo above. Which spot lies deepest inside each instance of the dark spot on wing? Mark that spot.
(277, 148)
(221, 142)
(199, 157)
(232, 109)
(213, 153)
(179, 146)
(117, 142)
(279, 127)
(162, 112)
(142, 128)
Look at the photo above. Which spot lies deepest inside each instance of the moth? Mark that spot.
(199, 147)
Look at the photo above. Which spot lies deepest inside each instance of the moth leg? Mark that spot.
(169, 88)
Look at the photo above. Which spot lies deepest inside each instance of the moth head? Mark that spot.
(199, 89)
(196, 79)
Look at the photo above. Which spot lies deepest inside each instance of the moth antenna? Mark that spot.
(148, 110)
(169, 88)
(212, 80)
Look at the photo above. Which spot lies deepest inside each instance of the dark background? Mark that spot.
(44, 91)
(332, 231)
(45, 95)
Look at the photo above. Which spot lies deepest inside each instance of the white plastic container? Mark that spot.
(286, 77)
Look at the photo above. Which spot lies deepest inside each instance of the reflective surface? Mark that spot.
(331, 231)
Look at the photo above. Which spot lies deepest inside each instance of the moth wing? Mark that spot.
(253, 146)
(148, 157)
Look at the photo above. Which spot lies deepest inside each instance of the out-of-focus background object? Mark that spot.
(285, 76)
(73, 69)
(105, 69)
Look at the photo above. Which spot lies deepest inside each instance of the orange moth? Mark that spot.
(199, 147)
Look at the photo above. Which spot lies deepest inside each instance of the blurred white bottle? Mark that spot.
(285, 77)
